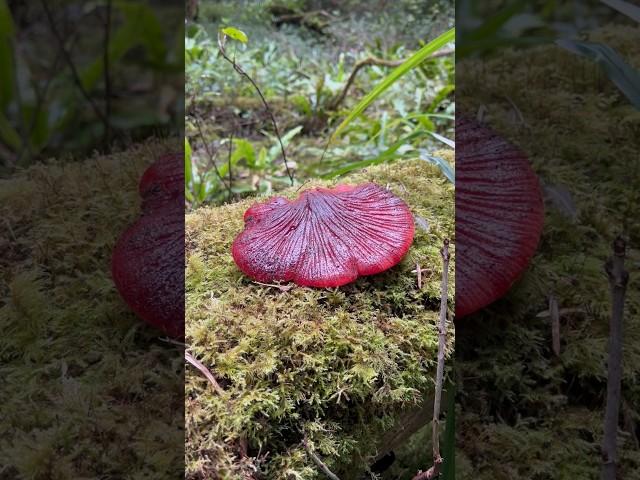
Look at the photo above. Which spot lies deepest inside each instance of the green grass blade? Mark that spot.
(626, 78)
(393, 77)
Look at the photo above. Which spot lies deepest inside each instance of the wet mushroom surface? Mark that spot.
(499, 215)
(147, 262)
(326, 237)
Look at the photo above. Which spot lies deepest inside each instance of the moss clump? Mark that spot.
(525, 413)
(335, 365)
(86, 388)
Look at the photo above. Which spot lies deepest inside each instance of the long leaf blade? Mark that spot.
(390, 79)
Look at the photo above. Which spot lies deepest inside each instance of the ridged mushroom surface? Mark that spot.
(499, 215)
(325, 238)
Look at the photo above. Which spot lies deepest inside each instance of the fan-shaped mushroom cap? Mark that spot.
(325, 238)
(147, 263)
(499, 215)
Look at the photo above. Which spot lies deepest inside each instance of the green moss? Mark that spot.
(336, 365)
(86, 388)
(526, 414)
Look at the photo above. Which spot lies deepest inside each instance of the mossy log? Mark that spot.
(337, 367)
(86, 388)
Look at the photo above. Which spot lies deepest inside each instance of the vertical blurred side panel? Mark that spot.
(547, 232)
(91, 239)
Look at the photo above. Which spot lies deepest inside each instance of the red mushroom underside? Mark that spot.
(147, 263)
(325, 238)
(499, 215)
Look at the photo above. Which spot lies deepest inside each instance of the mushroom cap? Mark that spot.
(325, 238)
(147, 263)
(499, 215)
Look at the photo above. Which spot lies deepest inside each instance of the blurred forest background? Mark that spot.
(301, 54)
(79, 77)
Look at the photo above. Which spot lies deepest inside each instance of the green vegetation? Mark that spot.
(68, 88)
(87, 389)
(303, 73)
(525, 413)
(339, 366)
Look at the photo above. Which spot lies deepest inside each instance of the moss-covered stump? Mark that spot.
(337, 366)
(525, 413)
(86, 389)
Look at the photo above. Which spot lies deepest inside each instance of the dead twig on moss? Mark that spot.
(320, 464)
(221, 41)
(205, 371)
(434, 471)
(381, 62)
(618, 279)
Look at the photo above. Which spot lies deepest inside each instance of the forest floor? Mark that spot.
(302, 67)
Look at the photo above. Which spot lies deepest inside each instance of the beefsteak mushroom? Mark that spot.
(147, 263)
(499, 215)
(326, 237)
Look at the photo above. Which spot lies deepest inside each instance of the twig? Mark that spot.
(209, 154)
(434, 471)
(205, 371)
(229, 164)
(107, 77)
(554, 312)
(238, 68)
(379, 62)
(321, 465)
(618, 279)
(72, 67)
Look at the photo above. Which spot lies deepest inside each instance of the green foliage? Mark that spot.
(525, 413)
(408, 65)
(337, 365)
(42, 109)
(301, 76)
(86, 387)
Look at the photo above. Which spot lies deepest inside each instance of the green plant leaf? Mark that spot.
(444, 166)
(188, 166)
(236, 34)
(626, 8)
(8, 134)
(6, 55)
(411, 63)
(626, 78)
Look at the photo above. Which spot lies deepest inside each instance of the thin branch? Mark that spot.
(555, 324)
(209, 154)
(320, 464)
(205, 371)
(238, 68)
(379, 62)
(107, 77)
(618, 279)
(71, 65)
(229, 164)
(434, 471)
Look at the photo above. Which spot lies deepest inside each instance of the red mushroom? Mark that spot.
(325, 238)
(499, 215)
(147, 263)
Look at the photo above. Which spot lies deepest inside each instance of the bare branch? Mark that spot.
(238, 68)
(618, 279)
(321, 465)
(205, 371)
(71, 65)
(374, 61)
(434, 471)
(209, 154)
